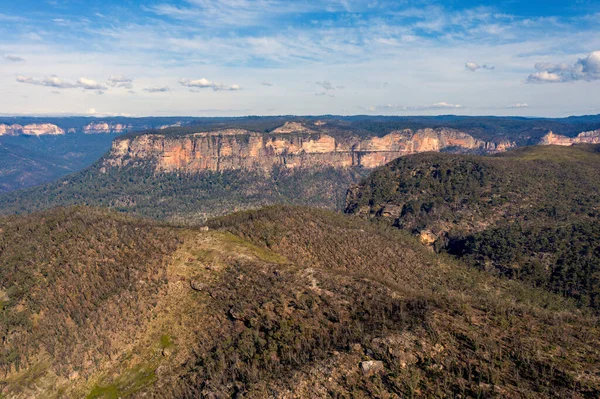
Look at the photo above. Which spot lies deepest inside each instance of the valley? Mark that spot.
(215, 167)
(271, 199)
(460, 266)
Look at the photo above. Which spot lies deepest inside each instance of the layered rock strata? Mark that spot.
(238, 149)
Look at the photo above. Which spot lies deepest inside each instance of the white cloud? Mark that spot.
(49, 81)
(519, 105)
(90, 84)
(204, 83)
(472, 66)
(120, 81)
(586, 69)
(442, 105)
(54, 81)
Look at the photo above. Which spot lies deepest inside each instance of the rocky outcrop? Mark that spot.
(239, 149)
(591, 137)
(36, 129)
(103, 127)
(294, 127)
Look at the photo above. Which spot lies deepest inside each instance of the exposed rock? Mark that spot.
(197, 286)
(391, 211)
(234, 314)
(103, 127)
(371, 367)
(427, 237)
(293, 127)
(239, 149)
(592, 137)
(40, 129)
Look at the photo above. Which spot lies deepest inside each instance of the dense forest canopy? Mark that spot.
(530, 214)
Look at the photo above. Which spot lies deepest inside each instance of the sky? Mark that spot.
(301, 57)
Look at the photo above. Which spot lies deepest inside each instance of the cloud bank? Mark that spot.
(56, 82)
(586, 69)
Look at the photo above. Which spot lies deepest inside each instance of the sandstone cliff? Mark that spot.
(592, 137)
(30, 130)
(291, 146)
(103, 127)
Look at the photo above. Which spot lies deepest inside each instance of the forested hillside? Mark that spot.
(279, 302)
(184, 197)
(530, 214)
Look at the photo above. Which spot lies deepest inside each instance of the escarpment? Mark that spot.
(39, 129)
(292, 146)
(591, 137)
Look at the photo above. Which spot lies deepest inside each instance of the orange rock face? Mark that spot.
(237, 149)
(592, 137)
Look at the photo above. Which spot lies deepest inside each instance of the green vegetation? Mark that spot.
(28, 161)
(530, 214)
(68, 275)
(441, 329)
(125, 385)
(274, 302)
(185, 198)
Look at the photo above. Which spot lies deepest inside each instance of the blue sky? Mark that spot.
(239, 57)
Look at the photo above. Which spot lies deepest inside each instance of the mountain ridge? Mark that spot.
(280, 302)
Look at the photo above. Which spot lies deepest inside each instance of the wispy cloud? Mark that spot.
(442, 105)
(161, 89)
(49, 81)
(56, 82)
(13, 58)
(10, 18)
(420, 50)
(120, 81)
(518, 105)
(90, 84)
(204, 83)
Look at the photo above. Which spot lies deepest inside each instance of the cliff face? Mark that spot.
(592, 137)
(103, 127)
(290, 147)
(30, 130)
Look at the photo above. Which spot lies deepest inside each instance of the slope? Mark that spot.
(531, 213)
(280, 302)
(27, 161)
